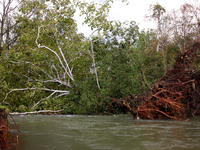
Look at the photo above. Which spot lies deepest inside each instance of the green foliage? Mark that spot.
(127, 61)
(158, 10)
(120, 58)
(84, 98)
(22, 108)
(172, 53)
(3, 107)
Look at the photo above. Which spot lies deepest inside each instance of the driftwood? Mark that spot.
(36, 112)
(176, 95)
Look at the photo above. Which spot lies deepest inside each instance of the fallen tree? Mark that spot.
(48, 112)
(176, 95)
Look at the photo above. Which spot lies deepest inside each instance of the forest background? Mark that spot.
(46, 64)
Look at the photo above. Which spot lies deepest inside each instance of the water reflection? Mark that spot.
(106, 133)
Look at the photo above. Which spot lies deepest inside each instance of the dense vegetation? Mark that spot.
(46, 64)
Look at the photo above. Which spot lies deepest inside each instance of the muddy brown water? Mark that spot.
(82, 132)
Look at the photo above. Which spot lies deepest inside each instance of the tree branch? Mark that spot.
(34, 66)
(94, 65)
(36, 88)
(65, 68)
(36, 112)
(143, 75)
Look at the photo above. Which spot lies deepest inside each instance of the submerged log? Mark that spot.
(176, 95)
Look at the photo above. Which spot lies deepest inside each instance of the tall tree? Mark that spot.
(186, 25)
(158, 15)
(9, 20)
(50, 55)
(7, 23)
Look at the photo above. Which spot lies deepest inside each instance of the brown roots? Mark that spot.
(176, 95)
(7, 140)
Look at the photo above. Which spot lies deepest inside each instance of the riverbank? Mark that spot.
(7, 140)
(3, 128)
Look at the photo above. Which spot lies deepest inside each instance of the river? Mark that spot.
(87, 132)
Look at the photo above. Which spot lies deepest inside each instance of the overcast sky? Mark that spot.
(136, 10)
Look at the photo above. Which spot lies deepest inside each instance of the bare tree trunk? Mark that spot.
(93, 59)
(94, 65)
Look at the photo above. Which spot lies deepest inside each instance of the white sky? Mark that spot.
(136, 10)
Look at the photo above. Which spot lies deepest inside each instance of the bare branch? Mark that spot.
(92, 33)
(70, 73)
(57, 74)
(44, 99)
(36, 88)
(34, 66)
(92, 53)
(94, 65)
(42, 81)
(36, 112)
(65, 68)
(60, 95)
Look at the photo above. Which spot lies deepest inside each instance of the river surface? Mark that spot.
(82, 132)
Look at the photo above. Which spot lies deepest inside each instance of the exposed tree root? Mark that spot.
(7, 140)
(176, 95)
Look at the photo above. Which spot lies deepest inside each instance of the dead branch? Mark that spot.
(36, 112)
